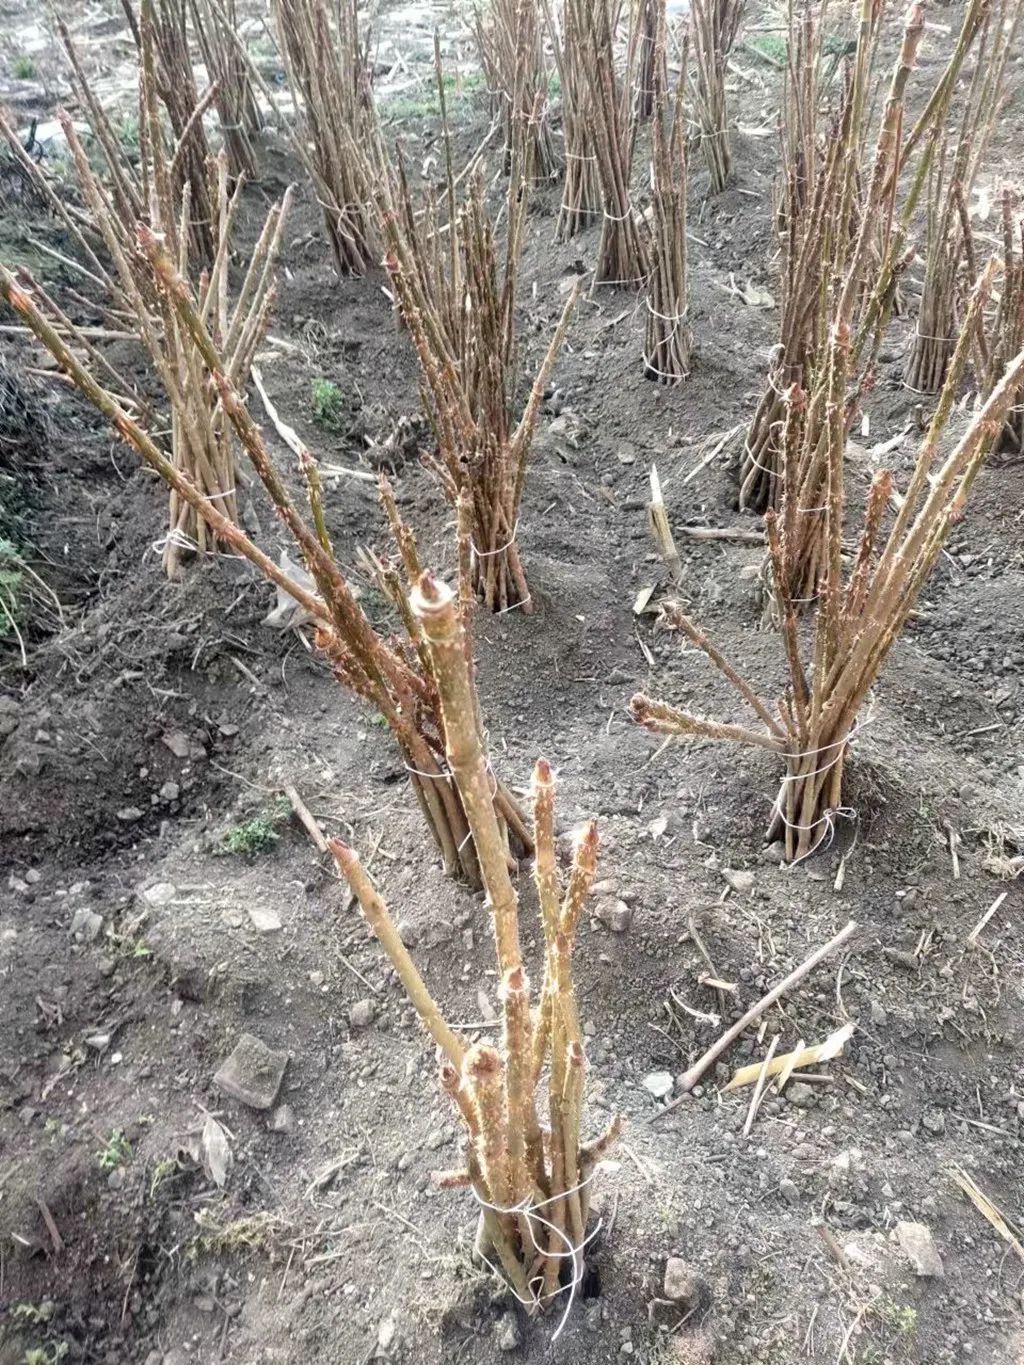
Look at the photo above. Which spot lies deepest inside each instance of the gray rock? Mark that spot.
(129, 815)
(253, 1073)
(116, 1178)
(615, 915)
(362, 1013)
(774, 853)
(160, 894)
(917, 1244)
(177, 742)
(878, 1014)
(683, 1286)
(9, 709)
(800, 1094)
(508, 1336)
(86, 926)
(740, 879)
(659, 1084)
(170, 791)
(788, 1190)
(282, 1120)
(934, 1122)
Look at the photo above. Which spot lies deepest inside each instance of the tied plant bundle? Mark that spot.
(842, 236)
(532, 1179)
(859, 614)
(328, 75)
(392, 676)
(455, 289)
(511, 46)
(116, 198)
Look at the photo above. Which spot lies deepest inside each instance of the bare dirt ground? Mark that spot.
(135, 950)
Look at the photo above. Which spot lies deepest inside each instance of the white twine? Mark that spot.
(528, 1209)
(489, 554)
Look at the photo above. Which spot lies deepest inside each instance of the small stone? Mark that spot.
(362, 1013)
(918, 1245)
(170, 791)
(659, 1084)
(789, 1191)
(507, 1334)
(160, 894)
(774, 853)
(26, 1114)
(741, 880)
(683, 1286)
(407, 933)
(253, 1073)
(615, 915)
(177, 742)
(265, 920)
(282, 1120)
(801, 1095)
(33, 875)
(934, 1122)
(317, 979)
(436, 1139)
(387, 1333)
(129, 815)
(86, 925)
(116, 1178)
(878, 1014)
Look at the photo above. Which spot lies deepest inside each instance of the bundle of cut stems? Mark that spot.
(1003, 335)
(216, 29)
(715, 24)
(843, 250)
(859, 615)
(581, 190)
(459, 309)
(201, 442)
(532, 1180)
(161, 35)
(328, 76)
(652, 68)
(512, 55)
(953, 173)
(621, 254)
(667, 348)
(396, 679)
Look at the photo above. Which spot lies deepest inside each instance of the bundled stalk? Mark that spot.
(652, 66)
(715, 24)
(458, 304)
(531, 1179)
(216, 30)
(581, 191)
(395, 678)
(952, 178)
(328, 75)
(161, 34)
(1003, 335)
(201, 443)
(621, 254)
(859, 615)
(843, 251)
(512, 56)
(668, 341)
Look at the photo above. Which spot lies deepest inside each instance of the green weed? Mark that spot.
(24, 68)
(769, 45)
(328, 405)
(259, 834)
(116, 1152)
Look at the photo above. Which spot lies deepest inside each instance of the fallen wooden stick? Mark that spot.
(308, 819)
(690, 1078)
(784, 1065)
